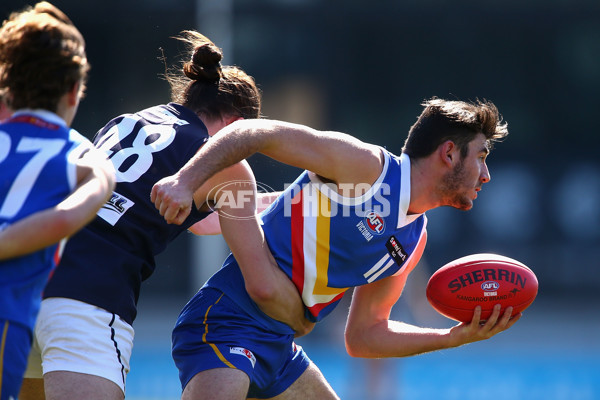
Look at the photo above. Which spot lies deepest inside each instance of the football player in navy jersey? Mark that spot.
(52, 180)
(84, 333)
(337, 226)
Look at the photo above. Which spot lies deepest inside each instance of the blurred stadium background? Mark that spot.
(364, 68)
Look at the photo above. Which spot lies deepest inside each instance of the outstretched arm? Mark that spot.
(332, 155)
(371, 334)
(96, 181)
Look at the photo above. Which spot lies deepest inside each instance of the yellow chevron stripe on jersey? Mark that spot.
(323, 224)
(317, 220)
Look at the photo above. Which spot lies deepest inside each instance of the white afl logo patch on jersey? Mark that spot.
(375, 222)
(114, 208)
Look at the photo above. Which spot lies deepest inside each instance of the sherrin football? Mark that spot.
(458, 287)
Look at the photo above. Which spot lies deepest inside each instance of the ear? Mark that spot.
(448, 153)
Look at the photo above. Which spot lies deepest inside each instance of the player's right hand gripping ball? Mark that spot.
(458, 287)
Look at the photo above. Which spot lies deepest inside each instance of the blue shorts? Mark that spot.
(213, 332)
(15, 344)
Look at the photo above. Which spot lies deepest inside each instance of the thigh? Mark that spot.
(66, 385)
(311, 385)
(217, 384)
(79, 342)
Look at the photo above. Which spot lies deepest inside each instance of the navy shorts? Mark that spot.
(213, 332)
(15, 344)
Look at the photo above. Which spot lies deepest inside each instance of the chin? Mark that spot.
(463, 204)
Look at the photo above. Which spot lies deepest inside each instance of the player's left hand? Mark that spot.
(477, 330)
(174, 201)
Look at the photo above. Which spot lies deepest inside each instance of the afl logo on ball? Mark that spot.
(490, 286)
(375, 222)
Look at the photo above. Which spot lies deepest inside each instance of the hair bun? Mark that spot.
(46, 8)
(205, 64)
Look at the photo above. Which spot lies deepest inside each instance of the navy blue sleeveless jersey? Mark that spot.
(106, 262)
(37, 171)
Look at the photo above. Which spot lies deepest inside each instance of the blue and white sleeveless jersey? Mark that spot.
(106, 262)
(327, 243)
(38, 152)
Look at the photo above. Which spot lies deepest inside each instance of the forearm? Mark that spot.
(371, 334)
(226, 148)
(83, 204)
(293, 144)
(265, 282)
(396, 339)
(385, 338)
(49, 226)
(277, 297)
(26, 235)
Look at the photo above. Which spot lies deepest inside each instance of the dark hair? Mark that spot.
(209, 89)
(458, 121)
(42, 56)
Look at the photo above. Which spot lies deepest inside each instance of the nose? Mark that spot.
(485, 174)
